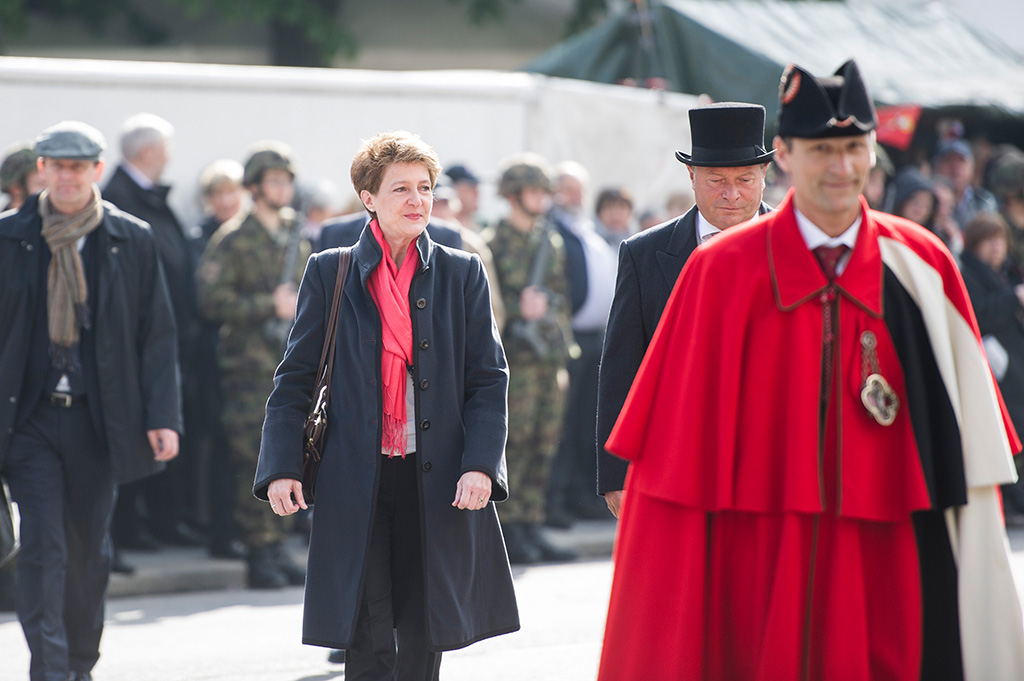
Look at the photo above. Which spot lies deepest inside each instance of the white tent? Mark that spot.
(622, 135)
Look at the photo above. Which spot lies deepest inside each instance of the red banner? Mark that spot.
(896, 125)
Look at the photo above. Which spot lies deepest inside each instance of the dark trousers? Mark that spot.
(573, 483)
(60, 476)
(393, 604)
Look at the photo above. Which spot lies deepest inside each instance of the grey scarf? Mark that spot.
(67, 293)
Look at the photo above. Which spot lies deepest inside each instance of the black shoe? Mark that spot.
(180, 535)
(547, 550)
(138, 541)
(521, 551)
(80, 676)
(263, 571)
(559, 519)
(292, 571)
(120, 565)
(336, 656)
(232, 550)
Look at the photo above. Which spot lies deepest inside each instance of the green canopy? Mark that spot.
(735, 50)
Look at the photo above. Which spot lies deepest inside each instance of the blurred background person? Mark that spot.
(613, 215)
(318, 201)
(19, 177)
(530, 257)
(224, 197)
(997, 295)
(954, 161)
(876, 191)
(467, 188)
(406, 548)
(679, 202)
(247, 282)
(447, 208)
(1007, 181)
(590, 268)
(160, 509)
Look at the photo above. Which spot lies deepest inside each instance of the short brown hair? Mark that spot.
(613, 195)
(380, 151)
(983, 227)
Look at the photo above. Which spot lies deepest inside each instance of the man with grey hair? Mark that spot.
(135, 187)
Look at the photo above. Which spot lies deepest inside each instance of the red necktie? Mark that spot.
(828, 258)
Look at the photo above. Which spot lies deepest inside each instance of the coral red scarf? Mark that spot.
(389, 287)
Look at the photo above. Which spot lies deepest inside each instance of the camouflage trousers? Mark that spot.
(243, 424)
(535, 403)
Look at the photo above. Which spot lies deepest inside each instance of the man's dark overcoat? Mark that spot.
(150, 206)
(649, 264)
(136, 343)
(460, 380)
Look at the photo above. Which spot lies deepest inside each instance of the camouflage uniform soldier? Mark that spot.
(242, 286)
(537, 337)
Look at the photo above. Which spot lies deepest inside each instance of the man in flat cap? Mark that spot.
(727, 167)
(816, 443)
(91, 393)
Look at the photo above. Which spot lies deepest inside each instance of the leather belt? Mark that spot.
(64, 400)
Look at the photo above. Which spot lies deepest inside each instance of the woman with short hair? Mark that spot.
(405, 549)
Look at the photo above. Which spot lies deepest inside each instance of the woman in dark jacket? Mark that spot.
(405, 541)
(997, 295)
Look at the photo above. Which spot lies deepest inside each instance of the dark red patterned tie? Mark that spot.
(828, 258)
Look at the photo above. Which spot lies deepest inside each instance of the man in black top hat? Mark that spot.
(91, 391)
(727, 165)
(815, 442)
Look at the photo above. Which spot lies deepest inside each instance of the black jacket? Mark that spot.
(345, 230)
(649, 264)
(150, 206)
(460, 380)
(1000, 314)
(136, 344)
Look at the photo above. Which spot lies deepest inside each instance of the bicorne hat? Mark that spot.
(726, 134)
(836, 106)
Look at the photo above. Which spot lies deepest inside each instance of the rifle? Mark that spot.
(276, 330)
(529, 330)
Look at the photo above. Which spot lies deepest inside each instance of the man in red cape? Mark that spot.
(815, 442)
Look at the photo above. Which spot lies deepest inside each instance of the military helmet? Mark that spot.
(267, 156)
(522, 171)
(17, 165)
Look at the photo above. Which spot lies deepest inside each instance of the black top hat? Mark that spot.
(726, 134)
(836, 106)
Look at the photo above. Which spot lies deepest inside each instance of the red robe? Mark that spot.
(758, 543)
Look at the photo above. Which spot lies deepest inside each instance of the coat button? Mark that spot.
(114, 250)
(15, 399)
(421, 303)
(424, 384)
(425, 425)
(426, 465)
(424, 344)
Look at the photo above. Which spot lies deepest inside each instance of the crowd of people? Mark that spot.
(557, 308)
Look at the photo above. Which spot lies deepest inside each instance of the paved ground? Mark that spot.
(233, 634)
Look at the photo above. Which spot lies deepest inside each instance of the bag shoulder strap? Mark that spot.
(330, 339)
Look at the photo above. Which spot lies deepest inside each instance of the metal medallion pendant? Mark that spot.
(876, 394)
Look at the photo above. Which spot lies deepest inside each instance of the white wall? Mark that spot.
(476, 117)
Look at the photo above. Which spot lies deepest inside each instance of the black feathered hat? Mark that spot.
(726, 134)
(836, 106)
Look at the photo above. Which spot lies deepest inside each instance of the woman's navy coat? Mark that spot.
(460, 379)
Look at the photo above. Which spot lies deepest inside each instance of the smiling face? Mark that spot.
(69, 182)
(728, 196)
(828, 176)
(403, 202)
